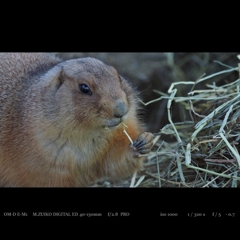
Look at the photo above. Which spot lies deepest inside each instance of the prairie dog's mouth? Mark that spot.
(113, 123)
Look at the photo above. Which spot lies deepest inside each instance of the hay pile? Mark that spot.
(204, 151)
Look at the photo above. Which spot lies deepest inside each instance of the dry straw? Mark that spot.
(204, 151)
(208, 145)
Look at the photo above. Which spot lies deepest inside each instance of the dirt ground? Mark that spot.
(149, 71)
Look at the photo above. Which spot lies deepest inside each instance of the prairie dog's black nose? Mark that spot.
(120, 109)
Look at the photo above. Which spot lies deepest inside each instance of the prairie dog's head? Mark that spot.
(89, 92)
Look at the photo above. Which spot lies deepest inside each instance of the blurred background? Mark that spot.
(149, 71)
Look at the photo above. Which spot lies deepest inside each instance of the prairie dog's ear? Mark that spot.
(53, 78)
(122, 79)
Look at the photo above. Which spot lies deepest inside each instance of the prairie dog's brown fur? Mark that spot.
(61, 122)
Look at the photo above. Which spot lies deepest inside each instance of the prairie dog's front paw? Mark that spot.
(143, 144)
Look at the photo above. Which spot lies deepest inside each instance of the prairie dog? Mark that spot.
(62, 122)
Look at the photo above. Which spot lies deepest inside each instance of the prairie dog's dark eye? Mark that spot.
(84, 88)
